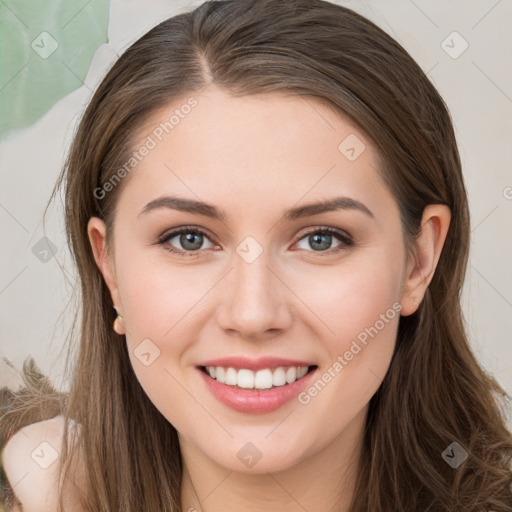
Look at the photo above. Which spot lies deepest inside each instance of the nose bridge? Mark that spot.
(253, 301)
(252, 280)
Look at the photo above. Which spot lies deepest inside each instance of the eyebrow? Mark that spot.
(208, 210)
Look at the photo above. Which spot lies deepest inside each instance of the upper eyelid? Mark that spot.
(167, 235)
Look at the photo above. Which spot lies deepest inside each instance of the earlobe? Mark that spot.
(425, 256)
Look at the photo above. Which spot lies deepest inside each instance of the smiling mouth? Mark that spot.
(261, 380)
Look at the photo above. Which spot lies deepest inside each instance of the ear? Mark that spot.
(96, 231)
(424, 256)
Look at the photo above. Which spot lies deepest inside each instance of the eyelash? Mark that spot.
(346, 240)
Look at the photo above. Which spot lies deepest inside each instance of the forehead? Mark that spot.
(273, 148)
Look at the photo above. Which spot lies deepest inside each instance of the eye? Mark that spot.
(191, 240)
(322, 238)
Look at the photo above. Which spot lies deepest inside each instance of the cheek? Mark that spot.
(159, 308)
(162, 303)
(350, 297)
(159, 297)
(359, 308)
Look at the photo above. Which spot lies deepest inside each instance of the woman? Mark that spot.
(266, 207)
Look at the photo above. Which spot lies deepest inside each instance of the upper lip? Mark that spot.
(254, 364)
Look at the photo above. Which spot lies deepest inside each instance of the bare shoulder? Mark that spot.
(31, 460)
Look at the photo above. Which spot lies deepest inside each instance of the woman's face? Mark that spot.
(256, 281)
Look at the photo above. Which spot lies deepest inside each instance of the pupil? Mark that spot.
(188, 238)
(315, 238)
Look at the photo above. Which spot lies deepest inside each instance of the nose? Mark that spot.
(255, 301)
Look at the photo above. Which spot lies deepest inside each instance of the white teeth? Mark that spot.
(245, 379)
(220, 374)
(262, 379)
(302, 371)
(279, 377)
(291, 374)
(231, 377)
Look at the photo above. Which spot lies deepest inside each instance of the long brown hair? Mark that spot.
(435, 392)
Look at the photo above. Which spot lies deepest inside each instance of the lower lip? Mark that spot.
(256, 401)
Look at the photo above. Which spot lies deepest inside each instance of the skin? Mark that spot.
(254, 157)
(34, 483)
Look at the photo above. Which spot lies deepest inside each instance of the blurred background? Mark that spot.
(54, 53)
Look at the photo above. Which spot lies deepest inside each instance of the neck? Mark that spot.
(323, 480)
